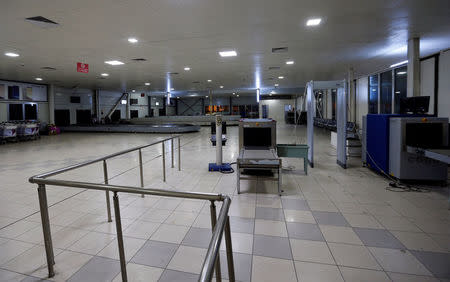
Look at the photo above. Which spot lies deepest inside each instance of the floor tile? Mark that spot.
(330, 218)
(141, 229)
(270, 228)
(295, 204)
(400, 277)
(12, 249)
(29, 261)
(299, 216)
(418, 241)
(304, 231)
(197, 237)
(269, 202)
(241, 242)
(66, 264)
(272, 269)
(394, 260)
(92, 243)
(97, 269)
(10, 276)
(358, 274)
(340, 234)
(307, 271)
(397, 223)
(378, 238)
(170, 233)
(138, 273)
(311, 251)
(154, 253)
(362, 220)
(322, 205)
(156, 215)
(437, 263)
(131, 246)
(353, 256)
(270, 246)
(269, 213)
(188, 259)
(242, 266)
(242, 224)
(177, 276)
(181, 218)
(67, 236)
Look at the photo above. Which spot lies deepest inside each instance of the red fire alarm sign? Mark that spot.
(81, 67)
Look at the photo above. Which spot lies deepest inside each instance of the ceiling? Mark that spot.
(365, 35)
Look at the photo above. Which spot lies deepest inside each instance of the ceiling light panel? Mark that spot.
(104, 74)
(289, 62)
(187, 68)
(38, 79)
(230, 53)
(114, 63)
(399, 64)
(313, 22)
(11, 54)
(133, 40)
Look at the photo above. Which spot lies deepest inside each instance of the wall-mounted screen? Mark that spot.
(13, 92)
(15, 112)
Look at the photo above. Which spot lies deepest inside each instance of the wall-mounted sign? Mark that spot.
(81, 67)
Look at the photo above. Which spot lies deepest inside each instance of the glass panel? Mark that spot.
(373, 94)
(333, 104)
(386, 93)
(30, 111)
(15, 112)
(400, 87)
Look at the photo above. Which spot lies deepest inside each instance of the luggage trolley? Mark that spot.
(28, 130)
(8, 132)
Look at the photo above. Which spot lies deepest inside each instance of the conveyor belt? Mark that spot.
(134, 128)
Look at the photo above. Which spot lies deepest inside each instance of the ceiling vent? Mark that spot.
(48, 68)
(139, 60)
(196, 82)
(172, 73)
(280, 50)
(274, 68)
(42, 22)
(269, 78)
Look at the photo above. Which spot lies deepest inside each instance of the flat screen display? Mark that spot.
(257, 137)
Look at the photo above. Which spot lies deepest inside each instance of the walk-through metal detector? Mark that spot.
(341, 117)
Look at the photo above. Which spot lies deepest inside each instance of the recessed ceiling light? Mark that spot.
(234, 93)
(281, 77)
(172, 89)
(133, 90)
(237, 95)
(397, 92)
(206, 96)
(221, 86)
(147, 83)
(104, 74)
(272, 92)
(399, 64)
(114, 63)
(209, 80)
(289, 62)
(312, 22)
(230, 53)
(38, 78)
(132, 40)
(276, 84)
(187, 68)
(11, 54)
(401, 72)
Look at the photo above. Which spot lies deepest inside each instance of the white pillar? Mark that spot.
(51, 103)
(351, 96)
(413, 79)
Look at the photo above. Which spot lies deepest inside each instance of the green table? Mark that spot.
(294, 151)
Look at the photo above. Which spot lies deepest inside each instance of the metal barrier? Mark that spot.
(219, 224)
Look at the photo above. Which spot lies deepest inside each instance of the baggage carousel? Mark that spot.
(133, 128)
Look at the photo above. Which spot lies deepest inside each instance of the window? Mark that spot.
(75, 99)
(15, 112)
(373, 94)
(31, 111)
(386, 93)
(399, 87)
(133, 101)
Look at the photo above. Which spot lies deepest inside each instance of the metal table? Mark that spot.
(259, 159)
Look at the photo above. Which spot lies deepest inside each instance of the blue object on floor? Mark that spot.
(223, 167)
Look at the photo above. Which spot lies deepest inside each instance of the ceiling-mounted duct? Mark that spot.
(42, 22)
(274, 68)
(172, 73)
(280, 50)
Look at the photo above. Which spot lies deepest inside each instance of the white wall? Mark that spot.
(362, 99)
(276, 108)
(142, 106)
(107, 99)
(427, 81)
(62, 101)
(444, 85)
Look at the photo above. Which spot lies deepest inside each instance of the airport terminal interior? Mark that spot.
(272, 141)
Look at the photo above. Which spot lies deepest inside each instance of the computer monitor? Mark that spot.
(415, 105)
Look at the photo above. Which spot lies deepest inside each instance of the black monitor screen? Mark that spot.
(424, 135)
(415, 104)
(75, 99)
(257, 137)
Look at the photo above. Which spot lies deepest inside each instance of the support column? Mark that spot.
(127, 108)
(96, 105)
(351, 95)
(51, 103)
(413, 79)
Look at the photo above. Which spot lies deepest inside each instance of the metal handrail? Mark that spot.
(219, 225)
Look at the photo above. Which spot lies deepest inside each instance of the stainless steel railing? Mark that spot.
(219, 224)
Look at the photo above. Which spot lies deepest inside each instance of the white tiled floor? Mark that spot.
(326, 226)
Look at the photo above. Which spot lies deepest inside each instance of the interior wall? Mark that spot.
(427, 76)
(276, 108)
(444, 85)
(142, 106)
(107, 99)
(362, 99)
(62, 101)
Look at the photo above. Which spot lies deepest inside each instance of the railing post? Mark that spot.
(123, 262)
(46, 229)
(171, 149)
(213, 224)
(108, 205)
(179, 154)
(141, 170)
(164, 161)
(229, 248)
